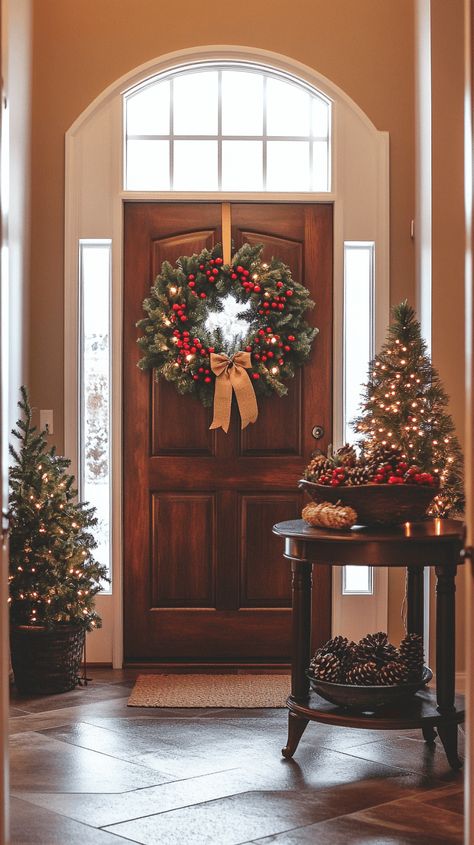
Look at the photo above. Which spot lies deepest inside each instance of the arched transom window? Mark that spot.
(227, 127)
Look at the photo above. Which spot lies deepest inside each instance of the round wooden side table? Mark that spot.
(434, 542)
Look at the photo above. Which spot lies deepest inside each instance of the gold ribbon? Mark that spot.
(231, 376)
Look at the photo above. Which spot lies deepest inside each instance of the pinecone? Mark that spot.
(329, 515)
(412, 655)
(359, 474)
(346, 456)
(325, 667)
(379, 455)
(393, 673)
(338, 646)
(362, 674)
(376, 647)
(317, 467)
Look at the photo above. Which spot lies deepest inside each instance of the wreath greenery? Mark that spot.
(178, 336)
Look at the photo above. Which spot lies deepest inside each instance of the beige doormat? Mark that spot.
(210, 691)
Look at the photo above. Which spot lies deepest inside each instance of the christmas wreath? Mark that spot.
(208, 321)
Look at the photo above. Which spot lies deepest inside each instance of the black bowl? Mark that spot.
(367, 698)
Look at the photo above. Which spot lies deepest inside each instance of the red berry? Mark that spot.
(233, 276)
(281, 306)
(279, 284)
(176, 307)
(215, 271)
(201, 370)
(203, 295)
(201, 266)
(211, 349)
(191, 277)
(191, 284)
(257, 288)
(255, 376)
(291, 337)
(264, 357)
(270, 353)
(334, 483)
(281, 362)
(207, 379)
(257, 357)
(219, 261)
(266, 305)
(212, 261)
(183, 319)
(248, 348)
(289, 293)
(196, 378)
(240, 269)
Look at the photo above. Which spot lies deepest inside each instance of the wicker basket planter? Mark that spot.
(377, 504)
(46, 661)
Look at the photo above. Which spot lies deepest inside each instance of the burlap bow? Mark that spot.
(230, 375)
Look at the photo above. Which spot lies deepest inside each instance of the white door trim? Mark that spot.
(94, 209)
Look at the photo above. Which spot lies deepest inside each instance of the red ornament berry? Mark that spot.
(287, 348)
(291, 337)
(176, 307)
(191, 285)
(233, 276)
(196, 378)
(248, 348)
(211, 349)
(255, 376)
(289, 293)
(281, 306)
(215, 271)
(240, 269)
(191, 277)
(219, 261)
(281, 362)
(207, 379)
(183, 319)
(201, 266)
(203, 295)
(211, 261)
(279, 284)
(257, 357)
(257, 288)
(266, 305)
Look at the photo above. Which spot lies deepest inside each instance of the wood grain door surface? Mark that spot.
(204, 578)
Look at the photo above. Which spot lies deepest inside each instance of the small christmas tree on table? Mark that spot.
(53, 574)
(404, 407)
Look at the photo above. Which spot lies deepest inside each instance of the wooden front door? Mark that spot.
(204, 578)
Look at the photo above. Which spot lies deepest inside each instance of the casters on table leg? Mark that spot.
(448, 735)
(296, 727)
(429, 734)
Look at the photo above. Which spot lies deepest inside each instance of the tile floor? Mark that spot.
(85, 769)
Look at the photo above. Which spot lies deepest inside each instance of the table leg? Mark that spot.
(296, 728)
(445, 659)
(415, 599)
(301, 584)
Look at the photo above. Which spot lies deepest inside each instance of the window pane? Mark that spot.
(288, 166)
(195, 104)
(238, 88)
(320, 166)
(320, 116)
(95, 388)
(288, 109)
(195, 166)
(358, 322)
(148, 111)
(242, 166)
(357, 579)
(148, 166)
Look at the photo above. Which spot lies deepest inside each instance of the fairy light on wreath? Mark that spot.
(205, 317)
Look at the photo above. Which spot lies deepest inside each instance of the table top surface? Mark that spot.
(430, 530)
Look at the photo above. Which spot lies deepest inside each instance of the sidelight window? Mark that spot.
(94, 394)
(227, 128)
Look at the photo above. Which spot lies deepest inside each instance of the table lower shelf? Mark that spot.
(416, 712)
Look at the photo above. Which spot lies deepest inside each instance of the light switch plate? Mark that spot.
(46, 422)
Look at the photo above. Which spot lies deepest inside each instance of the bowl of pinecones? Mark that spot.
(379, 485)
(370, 674)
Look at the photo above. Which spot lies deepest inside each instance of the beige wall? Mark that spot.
(447, 57)
(81, 47)
(367, 48)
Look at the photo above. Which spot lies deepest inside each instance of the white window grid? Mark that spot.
(220, 137)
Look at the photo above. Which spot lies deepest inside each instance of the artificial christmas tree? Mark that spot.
(403, 414)
(53, 574)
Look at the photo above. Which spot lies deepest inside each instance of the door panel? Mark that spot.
(204, 578)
